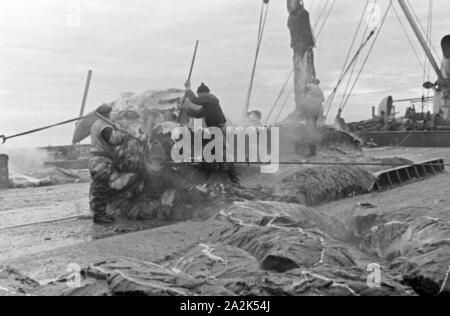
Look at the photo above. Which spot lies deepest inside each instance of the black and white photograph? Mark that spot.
(225, 154)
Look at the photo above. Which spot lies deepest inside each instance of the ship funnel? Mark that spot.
(445, 43)
(442, 93)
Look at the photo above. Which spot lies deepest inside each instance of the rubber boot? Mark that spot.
(232, 173)
(104, 219)
(312, 150)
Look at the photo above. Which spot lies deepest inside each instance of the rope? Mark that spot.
(322, 13)
(261, 19)
(326, 18)
(321, 163)
(348, 69)
(312, 6)
(285, 103)
(368, 55)
(319, 32)
(261, 28)
(345, 94)
(345, 69)
(51, 221)
(405, 139)
(429, 38)
(422, 28)
(426, 66)
(429, 34)
(427, 71)
(279, 96)
(408, 37)
(354, 38)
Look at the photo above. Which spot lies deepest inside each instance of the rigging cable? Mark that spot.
(326, 18)
(351, 47)
(427, 72)
(368, 55)
(311, 7)
(319, 32)
(280, 95)
(345, 94)
(349, 67)
(285, 103)
(262, 25)
(428, 37)
(345, 67)
(325, 163)
(426, 66)
(422, 28)
(408, 38)
(321, 14)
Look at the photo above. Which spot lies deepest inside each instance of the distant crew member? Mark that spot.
(207, 106)
(311, 110)
(312, 103)
(254, 119)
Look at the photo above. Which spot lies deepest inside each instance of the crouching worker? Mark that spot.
(101, 165)
(207, 106)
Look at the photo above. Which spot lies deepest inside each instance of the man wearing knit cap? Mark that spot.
(207, 106)
(104, 141)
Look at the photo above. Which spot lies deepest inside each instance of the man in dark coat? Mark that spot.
(302, 39)
(207, 106)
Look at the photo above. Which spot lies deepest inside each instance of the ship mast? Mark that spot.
(421, 38)
(442, 87)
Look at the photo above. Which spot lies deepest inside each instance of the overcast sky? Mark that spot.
(147, 44)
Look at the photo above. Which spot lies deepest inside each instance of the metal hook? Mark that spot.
(3, 138)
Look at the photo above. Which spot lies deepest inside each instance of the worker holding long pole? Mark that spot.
(106, 137)
(207, 106)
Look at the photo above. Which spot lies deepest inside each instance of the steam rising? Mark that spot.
(26, 161)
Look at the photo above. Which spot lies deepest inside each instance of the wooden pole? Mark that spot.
(193, 60)
(184, 118)
(86, 92)
(85, 96)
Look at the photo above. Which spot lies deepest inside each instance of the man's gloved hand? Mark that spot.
(187, 85)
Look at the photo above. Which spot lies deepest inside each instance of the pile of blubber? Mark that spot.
(270, 248)
(249, 249)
